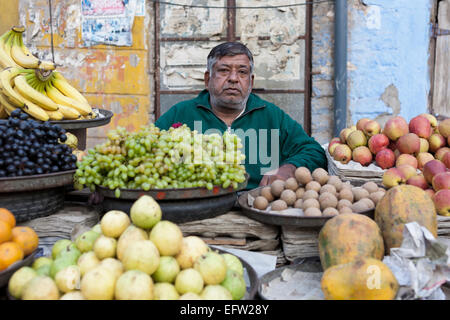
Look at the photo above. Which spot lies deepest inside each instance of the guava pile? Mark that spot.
(131, 257)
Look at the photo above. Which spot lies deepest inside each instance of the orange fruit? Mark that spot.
(8, 217)
(26, 238)
(10, 252)
(5, 231)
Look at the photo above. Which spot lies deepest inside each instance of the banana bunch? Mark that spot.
(14, 53)
(42, 95)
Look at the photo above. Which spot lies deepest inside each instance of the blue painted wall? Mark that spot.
(388, 45)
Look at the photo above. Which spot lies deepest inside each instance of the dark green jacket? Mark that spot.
(260, 123)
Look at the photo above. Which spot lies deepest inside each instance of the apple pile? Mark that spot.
(415, 153)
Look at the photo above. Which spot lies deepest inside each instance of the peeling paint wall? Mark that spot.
(388, 53)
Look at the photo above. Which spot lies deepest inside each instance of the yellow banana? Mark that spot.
(66, 88)
(60, 98)
(6, 76)
(33, 95)
(46, 65)
(55, 115)
(5, 56)
(6, 104)
(33, 109)
(69, 112)
(18, 54)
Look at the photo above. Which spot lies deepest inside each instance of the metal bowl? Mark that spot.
(36, 182)
(105, 118)
(5, 275)
(173, 194)
(278, 218)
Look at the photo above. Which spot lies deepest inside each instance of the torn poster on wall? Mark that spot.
(107, 22)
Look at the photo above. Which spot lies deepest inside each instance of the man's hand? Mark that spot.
(284, 172)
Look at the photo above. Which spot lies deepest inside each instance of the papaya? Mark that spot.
(349, 236)
(362, 279)
(400, 205)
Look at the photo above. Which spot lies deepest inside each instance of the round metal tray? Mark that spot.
(305, 265)
(172, 194)
(280, 219)
(5, 275)
(36, 182)
(105, 118)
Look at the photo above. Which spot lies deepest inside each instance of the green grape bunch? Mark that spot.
(162, 159)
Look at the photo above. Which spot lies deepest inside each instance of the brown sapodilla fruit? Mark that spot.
(303, 175)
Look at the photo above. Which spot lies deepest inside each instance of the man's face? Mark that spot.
(230, 82)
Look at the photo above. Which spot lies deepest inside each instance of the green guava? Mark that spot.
(167, 271)
(86, 240)
(212, 267)
(233, 263)
(189, 280)
(41, 261)
(234, 283)
(59, 246)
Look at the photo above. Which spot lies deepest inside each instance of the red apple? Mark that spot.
(385, 158)
(378, 142)
(371, 128)
(395, 128)
(356, 139)
(436, 142)
(432, 168)
(441, 181)
(444, 127)
(332, 143)
(420, 126)
(344, 134)
(446, 160)
(407, 170)
(439, 154)
(424, 145)
(418, 181)
(342, 153)
(430, 192)
(423, 158)
(442, 202)
(431, 118)
(406, 159)
(408, 143)
(393, 177)
(361, 123)
(362, 155)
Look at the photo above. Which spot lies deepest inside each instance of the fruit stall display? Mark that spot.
(162, 159)
(131, 257)
(414, 153)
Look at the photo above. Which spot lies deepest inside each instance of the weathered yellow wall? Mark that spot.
(9, 14)
(111, 77)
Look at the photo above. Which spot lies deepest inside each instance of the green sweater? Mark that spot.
(270, 137)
